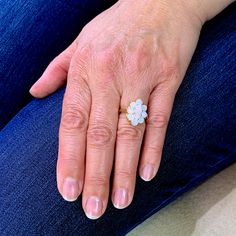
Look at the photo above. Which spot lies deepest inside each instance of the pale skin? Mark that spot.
(129, 51)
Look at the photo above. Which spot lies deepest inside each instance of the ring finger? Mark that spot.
(128, 144)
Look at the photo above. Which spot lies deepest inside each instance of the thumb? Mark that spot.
(55, 74)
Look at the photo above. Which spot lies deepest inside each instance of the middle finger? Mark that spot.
(101, 135)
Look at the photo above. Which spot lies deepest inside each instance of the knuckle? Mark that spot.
(106, 63)
(139, 59)
(57, 64)
(83, 52)
(158, 120)
(59, 67)
(169, 69)
(73, 118)
(129, 133)
(155, 150)
(105, 60)
(79, 64)
(108, 58)
(100, 136)
(97, 180)
(71, 163)
(126, 173)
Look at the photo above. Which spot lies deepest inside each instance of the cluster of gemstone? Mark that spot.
(136, 112)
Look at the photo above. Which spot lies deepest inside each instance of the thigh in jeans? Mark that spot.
(32, 33)
(201, 140)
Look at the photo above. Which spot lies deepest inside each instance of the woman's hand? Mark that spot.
(130, 51)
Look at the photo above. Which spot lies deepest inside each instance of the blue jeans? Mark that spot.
(200, 141)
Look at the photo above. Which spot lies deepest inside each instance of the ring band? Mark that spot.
(123, 110)
(136, 112)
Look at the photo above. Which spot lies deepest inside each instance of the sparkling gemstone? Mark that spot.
(138, 110)
(144, 107)
(144, 114)
(134, 122)
(130, 116)
(141, 120)
(139, 101)
(132, 105)
(130, 110)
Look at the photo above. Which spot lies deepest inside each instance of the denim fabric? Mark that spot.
(32, 33)
(201, 136)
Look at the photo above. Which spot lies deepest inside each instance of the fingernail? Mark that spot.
(34, 85)
(93, 207)
(147, 172)
(31, 89)
(71, 189)
(121, 198)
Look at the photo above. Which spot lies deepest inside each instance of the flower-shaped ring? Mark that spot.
(136, 112)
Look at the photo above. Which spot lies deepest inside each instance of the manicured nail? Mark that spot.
(121, 198)
(71, 189)
(93, 208)
(147, 173)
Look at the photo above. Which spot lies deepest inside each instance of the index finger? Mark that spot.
(72, 134)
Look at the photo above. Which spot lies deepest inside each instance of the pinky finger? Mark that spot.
(160, 106)
(55, 74)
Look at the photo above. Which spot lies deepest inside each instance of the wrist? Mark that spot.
(176, 9)
(207, 9)
(202, 10)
